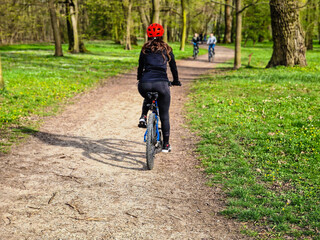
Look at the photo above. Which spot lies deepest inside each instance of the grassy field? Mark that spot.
(37, 83)
(260, 132)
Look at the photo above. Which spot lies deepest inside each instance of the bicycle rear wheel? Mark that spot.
(151, 140)
(195, 53)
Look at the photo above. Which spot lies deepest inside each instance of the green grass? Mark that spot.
(37, 83)
(260, 132)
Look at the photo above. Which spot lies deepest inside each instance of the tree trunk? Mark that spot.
(1, 77)
(237, 57)
(228, 22)
(165, 23)
(61, 26)
(69, 26)
(218, 28)
(74, 21)
(56, 32)
(233, 25)
(288, 40)
(155, 11)
(311, 20)
(116, 35)
(144, 21)
(319, 21)
(127, 4)
(184, 25)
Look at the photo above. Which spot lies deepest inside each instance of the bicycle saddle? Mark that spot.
(153, 95)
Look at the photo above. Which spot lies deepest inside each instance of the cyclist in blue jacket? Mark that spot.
(152, 76)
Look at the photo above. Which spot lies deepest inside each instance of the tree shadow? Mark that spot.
(114, 152)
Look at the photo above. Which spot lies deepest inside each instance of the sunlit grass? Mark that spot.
(260, 132)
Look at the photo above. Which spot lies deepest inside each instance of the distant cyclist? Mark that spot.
(205, 37)
(211, 42)
(152, 76)
(195, 40)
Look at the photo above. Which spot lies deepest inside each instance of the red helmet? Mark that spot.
(155, 30)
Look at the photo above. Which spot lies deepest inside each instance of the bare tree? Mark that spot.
(165, 23)
(288, 38)
(144, 19)
(228, 22)
(127, 5)
(310, 23)
(74, 21)
(69, 26)
(55, 28)
(218, 26)
(237, 57)
(155, 11)
(184, 25)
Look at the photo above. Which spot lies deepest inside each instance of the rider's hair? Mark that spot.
(157, 45)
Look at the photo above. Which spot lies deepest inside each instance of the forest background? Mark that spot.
(74, 21)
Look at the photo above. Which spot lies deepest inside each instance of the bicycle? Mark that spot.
(195, 50)
(153, 134)
(211, 54)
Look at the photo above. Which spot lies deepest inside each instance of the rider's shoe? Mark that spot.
(143, 122)
(166, 148)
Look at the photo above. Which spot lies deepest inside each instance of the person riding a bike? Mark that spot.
(152, 77)
(211, 42)
(195, 40)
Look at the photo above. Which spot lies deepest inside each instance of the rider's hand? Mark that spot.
(176, 83)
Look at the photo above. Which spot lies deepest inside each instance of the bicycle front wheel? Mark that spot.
(151, 140)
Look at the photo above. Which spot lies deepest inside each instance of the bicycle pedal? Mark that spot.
(142, 125)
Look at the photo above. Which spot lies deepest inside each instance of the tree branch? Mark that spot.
(168, 9)
(223, 4)
(245, 7)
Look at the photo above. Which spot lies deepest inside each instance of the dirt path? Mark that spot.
(83, 175)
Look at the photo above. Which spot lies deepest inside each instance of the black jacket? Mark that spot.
(153, 67)
(196, 39)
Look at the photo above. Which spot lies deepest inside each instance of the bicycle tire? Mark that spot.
(212, 58)
(195, 54)
(151, 140)
(160, 143)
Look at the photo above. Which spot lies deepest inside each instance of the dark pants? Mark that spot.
(163, 89)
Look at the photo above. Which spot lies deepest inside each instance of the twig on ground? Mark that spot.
(96, 219)
(69, 177)
(52, 197)
(131, 215)
(74, 207)
(37, 208)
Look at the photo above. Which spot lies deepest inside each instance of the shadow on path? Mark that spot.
(119, 153)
